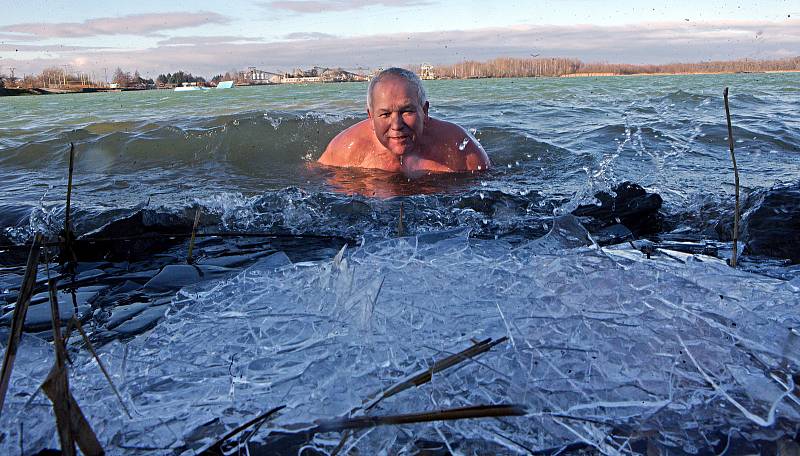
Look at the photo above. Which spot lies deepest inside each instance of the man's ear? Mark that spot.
(369, 116)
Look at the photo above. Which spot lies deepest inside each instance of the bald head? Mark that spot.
(408, 76)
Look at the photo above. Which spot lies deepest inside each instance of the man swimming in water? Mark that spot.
(399, 136)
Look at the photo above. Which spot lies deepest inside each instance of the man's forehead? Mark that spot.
(395, 91)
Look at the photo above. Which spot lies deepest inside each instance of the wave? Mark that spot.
(240, 140)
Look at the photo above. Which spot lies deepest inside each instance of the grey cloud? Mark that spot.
(134, 24)
(319, 6)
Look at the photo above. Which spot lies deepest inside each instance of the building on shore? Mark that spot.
(255, 76)
(320, 74)
(426, 72)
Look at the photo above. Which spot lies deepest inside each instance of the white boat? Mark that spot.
(189, 87)
(225, 85)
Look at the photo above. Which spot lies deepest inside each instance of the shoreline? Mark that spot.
(591, 75)
(18, 91)
(24, 91)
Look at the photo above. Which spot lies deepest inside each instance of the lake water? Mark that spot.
(551, 141)
(607, 349)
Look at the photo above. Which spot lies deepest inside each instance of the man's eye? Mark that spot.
(385, 114)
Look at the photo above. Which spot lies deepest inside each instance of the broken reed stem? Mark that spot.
(423, 377)
(89, 345)
(463, 413)
(68, 411)
(61, 378)
(68, 234)
(445, 363)
(191, 239)
(67, 228)
(216, 448)
(736, 181)
(18, 321)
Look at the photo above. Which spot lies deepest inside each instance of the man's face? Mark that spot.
(397, 116)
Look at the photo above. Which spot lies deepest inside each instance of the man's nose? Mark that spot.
(397, 121)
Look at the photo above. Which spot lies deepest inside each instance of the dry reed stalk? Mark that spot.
(67, 228)
(68, 411)
(445, 363)
(61, 381)
(89, 345)
(216, 447)
(18, 321)
(736, 181)
(462, 413)
(423, 377)
(69, 236)
(191, 239)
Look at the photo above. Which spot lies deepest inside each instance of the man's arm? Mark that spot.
(476, 158)
(458, 149)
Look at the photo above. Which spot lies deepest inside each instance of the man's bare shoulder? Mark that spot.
(458, 148)
(349, 147)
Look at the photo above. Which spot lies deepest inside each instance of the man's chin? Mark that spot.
(399, 150)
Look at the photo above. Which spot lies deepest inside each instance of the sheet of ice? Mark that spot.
(606, 347)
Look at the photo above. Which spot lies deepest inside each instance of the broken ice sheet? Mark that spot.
(606, 346)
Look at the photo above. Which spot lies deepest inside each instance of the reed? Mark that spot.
(189, 259)
(444, 363)
(18, 321)
(69, 235)
(736, 181)
(421, 378)
(216, 447)
(60, 397)
(102, 367)
(462, 413)
(68, 413)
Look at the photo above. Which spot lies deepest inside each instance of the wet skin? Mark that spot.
(400, 136)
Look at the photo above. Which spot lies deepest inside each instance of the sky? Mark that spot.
(212, 37)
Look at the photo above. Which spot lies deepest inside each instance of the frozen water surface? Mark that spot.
(606, 348)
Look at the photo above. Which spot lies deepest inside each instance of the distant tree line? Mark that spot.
(178, 78)
(505, 67)
(125, 79)
(55, 77)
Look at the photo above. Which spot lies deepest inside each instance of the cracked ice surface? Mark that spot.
(606, 347)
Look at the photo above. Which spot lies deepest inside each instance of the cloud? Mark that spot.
(134, 24)
(308, 36)
(205, 40)
(319, 6)
(16, 37)
(52, 48)
(640, 43)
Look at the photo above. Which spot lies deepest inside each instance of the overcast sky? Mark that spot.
(210, 37)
